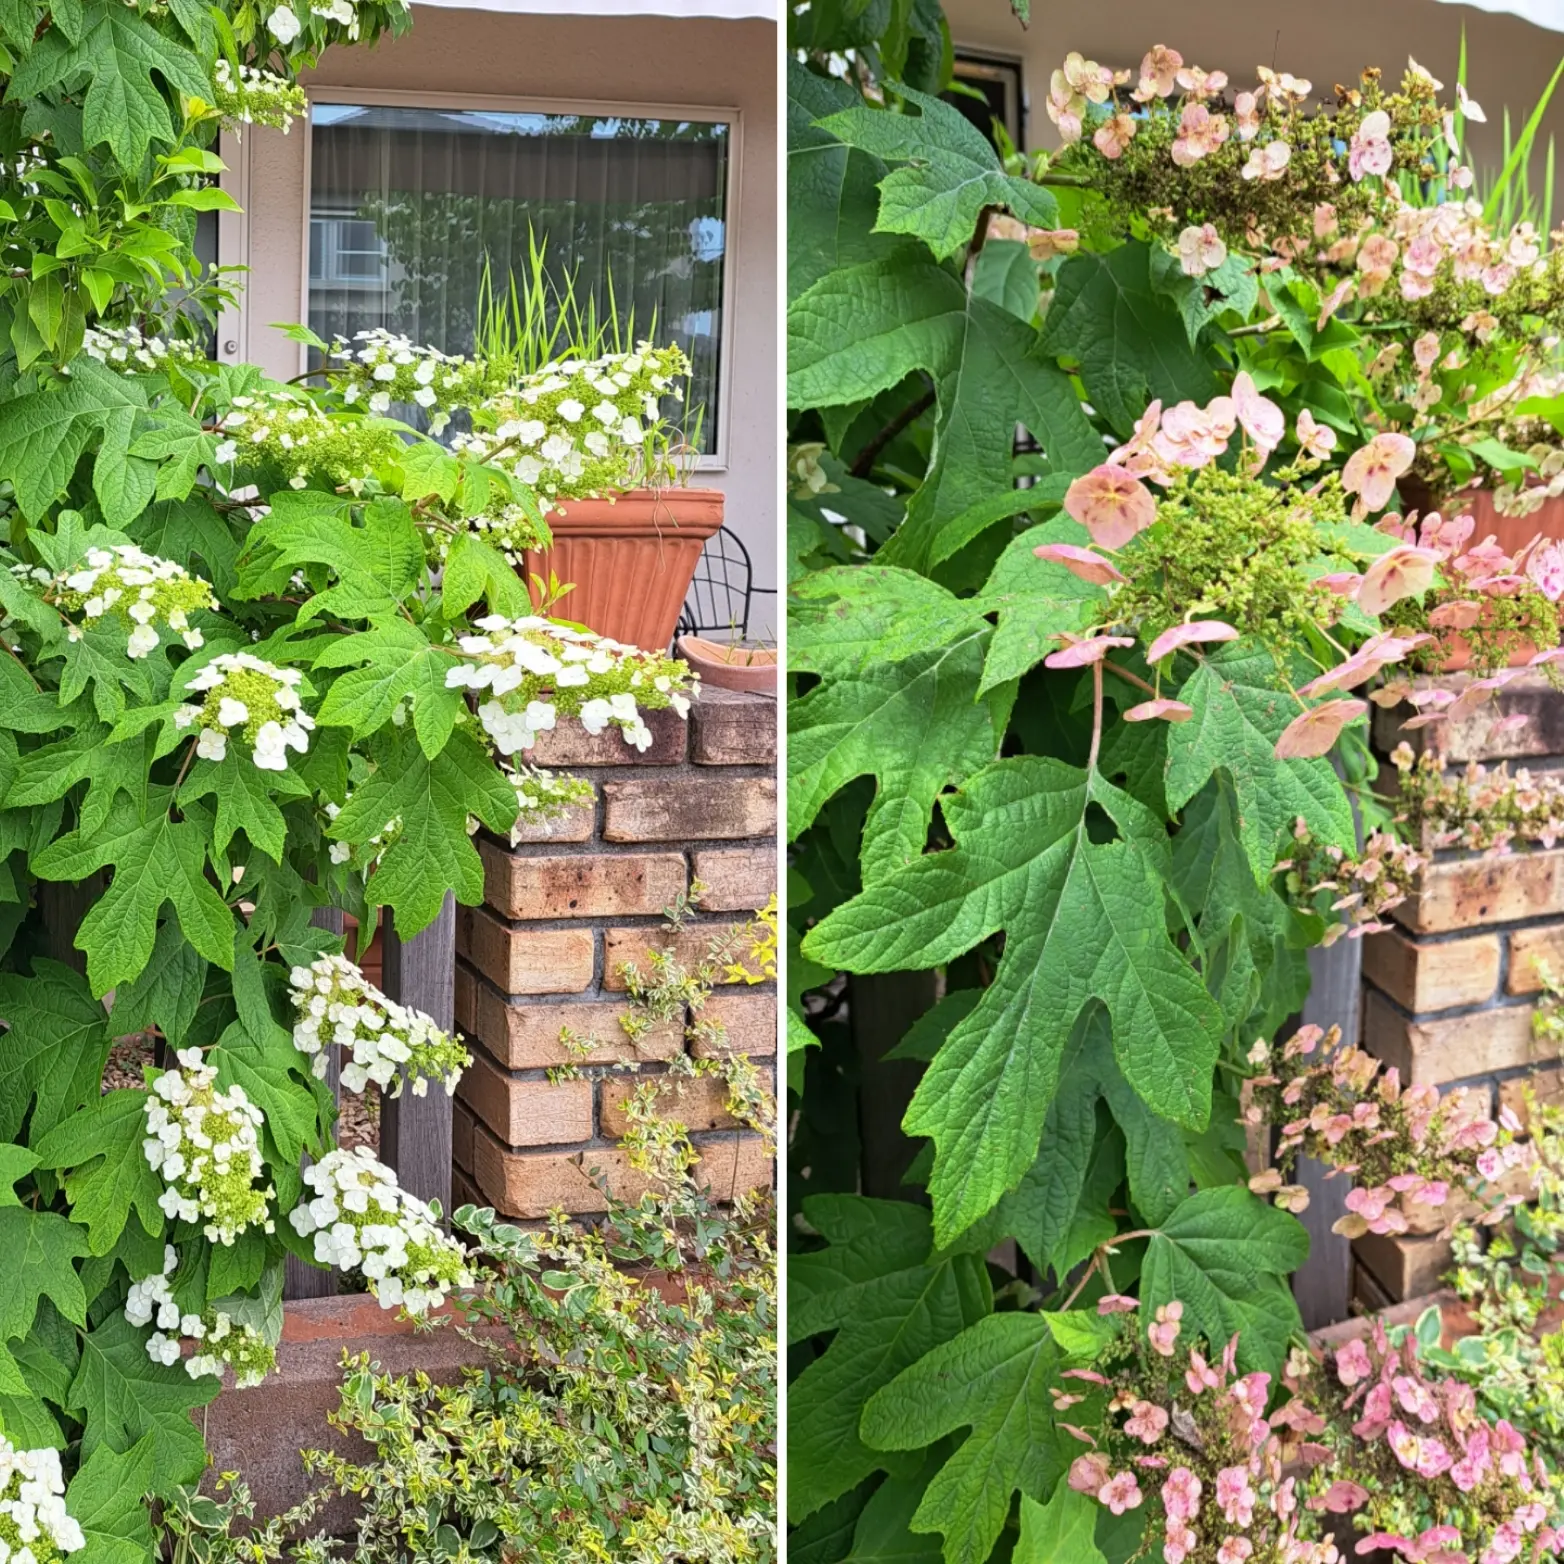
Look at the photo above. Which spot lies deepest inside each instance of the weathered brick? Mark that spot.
(1421, 976)
(697, 1102)
(464, 1191)
(1472, 737)
(694, 808)
(569, 825)
(750, 1019)
(525, 1034)
(1405, 1266)
(528, 1113)
(1469, 891)
(1527, 947)
(1547, 1086)
(531, 1184)
(1431, 1052)
(525, 961)
(689, 946)
(731, 728)
(737, 879)
(571, 745)
(580, 885)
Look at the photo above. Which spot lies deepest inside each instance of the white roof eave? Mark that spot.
(1547, 14)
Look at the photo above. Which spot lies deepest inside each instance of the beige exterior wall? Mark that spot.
(729, 65)
(1509, 61)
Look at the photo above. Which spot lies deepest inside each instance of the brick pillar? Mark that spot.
(563, 909)
(1448, 997)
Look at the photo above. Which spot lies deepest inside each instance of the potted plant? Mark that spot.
(731, 665)
(587, 419)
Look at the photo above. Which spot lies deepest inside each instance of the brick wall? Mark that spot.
(564, 909)
(1448, 996)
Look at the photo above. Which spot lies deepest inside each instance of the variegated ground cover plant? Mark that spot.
(1077, 724)
(260, 655)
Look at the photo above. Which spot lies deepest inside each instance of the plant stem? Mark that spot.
(1133, 678)
(1091, 759)
(863, 465)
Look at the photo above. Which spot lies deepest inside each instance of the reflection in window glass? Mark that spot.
(406, 205)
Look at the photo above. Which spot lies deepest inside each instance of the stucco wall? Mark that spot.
(673, 62)
(1328, 41)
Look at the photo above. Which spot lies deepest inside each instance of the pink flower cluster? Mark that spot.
(1477, 809)
(1359, 888)
(1225, 1476)
(1407, 1148)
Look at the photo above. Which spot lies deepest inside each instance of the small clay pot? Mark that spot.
(735, 667)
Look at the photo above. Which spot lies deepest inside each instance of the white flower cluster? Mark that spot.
(35, 1527)
(363, 1219)
(256, 97)
(580, 428)
(513, 530)
(205, 1144)
(537, 671)
(255, 697)
(225, 1342)
(126, 348)
(287, 429)
(124, 583)
(388, 368)
(541, 795)
(335, 1004)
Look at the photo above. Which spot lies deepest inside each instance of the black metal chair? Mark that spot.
(722, 594)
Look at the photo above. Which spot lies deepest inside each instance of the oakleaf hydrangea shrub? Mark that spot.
(250, 697)
(217, 1340)
(35, 1525)
(1079, 770)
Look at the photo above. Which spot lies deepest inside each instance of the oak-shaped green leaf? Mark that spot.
(947, 172)
(155, 860)
(1035, 599)
(846, 621)
(54, 1048)
(107, 1499)
(246, 799)
(1063, 1529)
(123, 1397)
(832, 194)
(40, 1249)
(432, 852)
(1241, 704)
(1223, 1254)
(1084, 920)
(888, 1303)
(1128, 338)
(107, 1174)
(993, 1379)
(400, 665)
(916, 726)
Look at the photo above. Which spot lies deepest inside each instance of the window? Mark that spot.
(990, 92)
(408, 204)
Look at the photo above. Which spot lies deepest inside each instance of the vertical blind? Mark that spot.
(407, 205)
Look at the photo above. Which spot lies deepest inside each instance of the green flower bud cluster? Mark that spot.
(283, 431)
(541, 795)
(255, 698)
(250, 96)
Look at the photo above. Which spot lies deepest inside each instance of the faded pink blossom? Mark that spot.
(1202, 84)
(1461, 614)
(1261, 418)
(1312, 733)
(1159, 70)
(1353, 1363)
(1199, 632)
(1181, 1494)
(1117, 1303)
(1080, 562)
(1163, 1332)
(1111, 504)
(1332, 302)
(1314, 438)
(1372, 470)
(1120, 1493)
(1343, 1497)
(1234, 1497)
(1162, 709)
(1546, 569)
(1089, 1473)
(1043, 244)
(1234, 1550)
(1246, 114)
(1147, 1422)
(1370, 151)
(1200, 250)
(1114, 135)
(1400, 572)
(1425, 351)
(1083, 651)
(1200, 133)
(1267, 163)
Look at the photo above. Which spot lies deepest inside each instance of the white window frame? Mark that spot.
(717, 459)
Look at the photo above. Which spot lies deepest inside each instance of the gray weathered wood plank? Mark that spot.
(415, 1132)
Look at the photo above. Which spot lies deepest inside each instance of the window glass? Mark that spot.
(407, 205)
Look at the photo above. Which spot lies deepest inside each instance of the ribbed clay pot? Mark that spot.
(1513, 532)
(631, 560)
(731, 667)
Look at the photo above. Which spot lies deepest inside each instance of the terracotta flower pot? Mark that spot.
(735, 667)
(630, 559)
(1512, 532)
